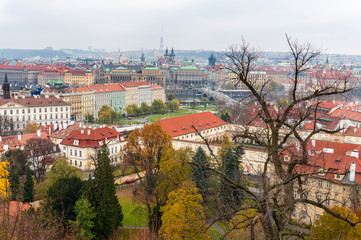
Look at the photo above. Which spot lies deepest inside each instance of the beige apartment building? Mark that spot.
(73, 77)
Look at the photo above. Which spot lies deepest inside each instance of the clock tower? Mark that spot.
(6, 88)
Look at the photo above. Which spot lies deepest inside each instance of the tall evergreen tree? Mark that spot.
(230, 195)
(101, 195)
(29, 187)
(62, 196)
(201, 172)
(14, 185)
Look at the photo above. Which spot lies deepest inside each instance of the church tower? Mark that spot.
(6, 88)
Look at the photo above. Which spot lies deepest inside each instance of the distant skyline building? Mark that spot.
(169, 57)
(212, 60)
(6, 87)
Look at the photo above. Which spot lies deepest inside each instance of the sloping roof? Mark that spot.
(13, 142)
(133, 84)
(63, 133)
(182, 125)
(155, 86)
(354, 115)
(93, 138)
(39, 101)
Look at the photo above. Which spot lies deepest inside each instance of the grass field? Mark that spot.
(135, 214)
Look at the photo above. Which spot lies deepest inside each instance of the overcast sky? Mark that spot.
(331, 25)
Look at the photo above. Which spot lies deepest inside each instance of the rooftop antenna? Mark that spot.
(161, 44)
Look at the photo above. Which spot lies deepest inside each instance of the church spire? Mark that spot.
(6, 87)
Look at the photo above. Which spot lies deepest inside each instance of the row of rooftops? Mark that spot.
(35, 101)
(103, 88)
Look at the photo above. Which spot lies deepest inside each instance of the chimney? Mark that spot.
(313, 143)
(82, 131)
(16, 97)
(38, 132)
(80, 124)
(89, 131)
(352, 172)
(6, 147)
(354, 130)
(19, 137)
(297, 146)
(23, 97)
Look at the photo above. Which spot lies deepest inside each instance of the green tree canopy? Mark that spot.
(101, 195)
(158, 106)
(201, 173)
(170, 97)
(173, 105)
(29, 187)
(62, 196)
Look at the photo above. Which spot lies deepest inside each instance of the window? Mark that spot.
(305, 182)
(51, 109)
(319, 183)
(23, 111)
(28, 110)
(303, 214)
(71, 162)
(56, 109)
(17, 111)
(75, 163)
(80, 164)
(4, 112)
(39, 110)
(34, 110)
(305, 195)
(75, 153)
(294, 194)
(327, 202)
(319, 198)
(11, 111)
(79, 153)
(64, 148)
(71, 152)
(45, 109)
(116, 149)
(328, 185)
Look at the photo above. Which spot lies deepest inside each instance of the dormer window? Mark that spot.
(338, 176)
(76, 142)
(321, 172)
(287, 158)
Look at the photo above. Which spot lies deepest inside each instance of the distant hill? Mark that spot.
(30, 53)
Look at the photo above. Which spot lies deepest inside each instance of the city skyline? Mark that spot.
(184, 24)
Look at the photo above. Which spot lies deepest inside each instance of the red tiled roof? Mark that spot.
(182, 125)
(134, 84)
(63, 133)
(348, 114)
(88, 137)
(13, 141)
(39, 101)
(155, 86)
(353, 131)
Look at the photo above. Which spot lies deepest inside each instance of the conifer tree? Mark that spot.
(102, 196)
(29, 187)
(201, 172)
(230, 195)
(14, 185)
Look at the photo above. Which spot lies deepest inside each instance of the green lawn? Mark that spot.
(215, 235)
(135, 214)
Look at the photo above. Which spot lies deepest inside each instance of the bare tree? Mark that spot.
(280, 123)
(6, 126)
(38, 150)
